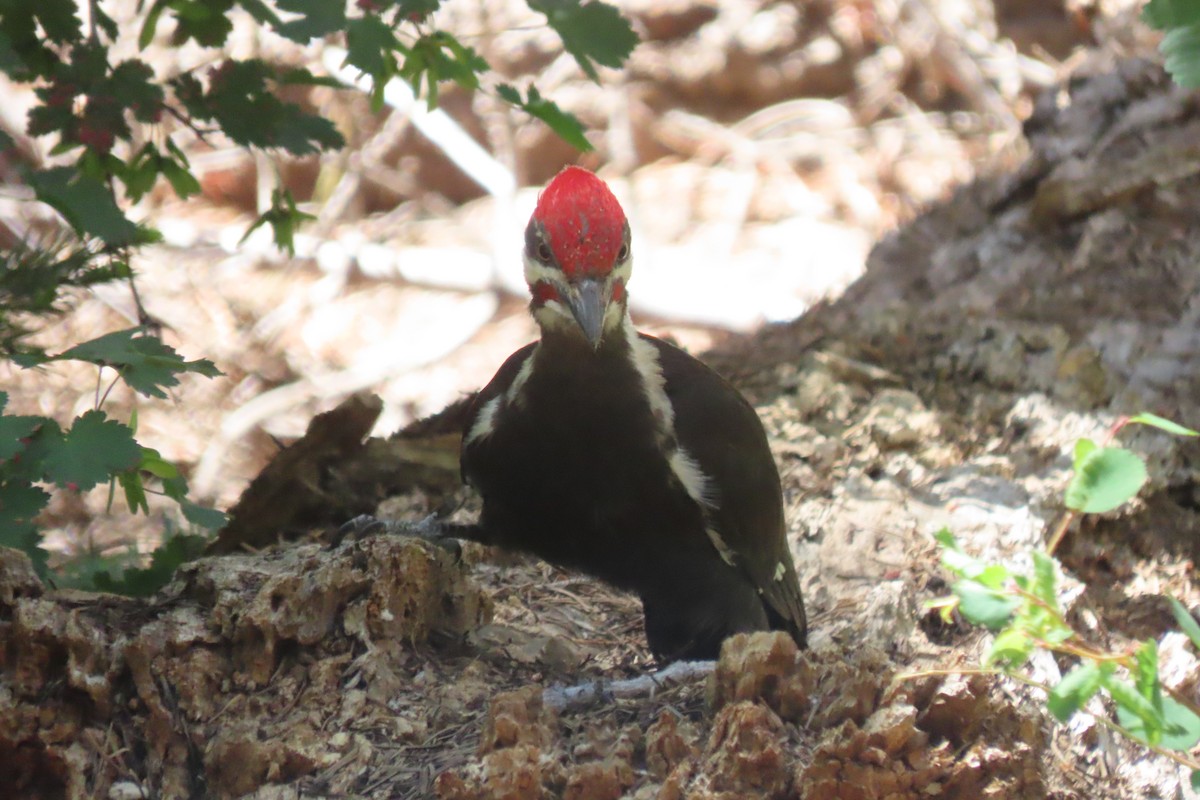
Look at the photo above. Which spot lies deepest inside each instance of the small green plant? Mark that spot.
(97, 449)
(124, 573)
(1180, 20)
(1024, 612)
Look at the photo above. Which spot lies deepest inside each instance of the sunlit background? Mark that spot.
(759, 150)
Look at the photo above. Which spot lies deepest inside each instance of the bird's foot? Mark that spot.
(431, 529)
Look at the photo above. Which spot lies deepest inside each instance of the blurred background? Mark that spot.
(759, 150)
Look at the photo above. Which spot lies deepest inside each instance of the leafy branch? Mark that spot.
(114, 124)
(35, 451)
(1024, 612)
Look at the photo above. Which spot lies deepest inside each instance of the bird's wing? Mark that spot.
(495, 388)
(723, 433)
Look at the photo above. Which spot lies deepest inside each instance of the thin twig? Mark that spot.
(1060, 530)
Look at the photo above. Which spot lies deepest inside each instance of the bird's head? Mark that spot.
(577, 257)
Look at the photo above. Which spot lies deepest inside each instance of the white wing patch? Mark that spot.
(645, 360)
(513, 393)
(726, 554)
(485, 423)
(697, 484)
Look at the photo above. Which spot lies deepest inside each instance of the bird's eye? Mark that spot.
(543, 253)
(623, 253)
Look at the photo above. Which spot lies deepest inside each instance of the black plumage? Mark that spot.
(620, 455)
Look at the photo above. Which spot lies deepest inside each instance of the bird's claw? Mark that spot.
(430, 529)
(364, 525)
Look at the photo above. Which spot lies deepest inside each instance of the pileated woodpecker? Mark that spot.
(605, 450)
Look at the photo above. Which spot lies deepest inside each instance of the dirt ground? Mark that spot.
(1049, 288)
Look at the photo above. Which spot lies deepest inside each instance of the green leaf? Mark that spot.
(945, 606)
(164, 561)
(1134, 711)
(283, 217)
(144, 362)
(1145, 672)
(59, 19)
(1182, 728)
(203, 516)
(1076, 688)
(1175, 726)
(31, 464)
(146, 36)
(440, 57)
(1181, 54)
(565, 124)
(85, 202)
(104, 22)
(982, 605)
(992, 576)
(960, 563)
(1045, 571)
(176, 488)
(1196, 779)
(592, 31)
(135, 491)
(20, 502)
(1187, 623)
(13, 429)
(1083, 448)
(416, 10)
(1106, 478)
(299, 76)
(1011, 648)
(80, 571)
(1181, 44)
(1163, 14)
(261, 12)
(317, 18)
(183, 182)
(946, 539)
(153, 462)
(133, 82)
(371, 47)
(300, 133)
(1162, 423)
(206, 21)
(510, 94)
(91, 452)
(1050, 627)
(243, 102)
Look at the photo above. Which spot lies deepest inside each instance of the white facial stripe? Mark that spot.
(536, 272)
(616, 313)
(556, 313)
(553, 314)
(614, 317)
(485, 423)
